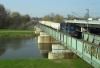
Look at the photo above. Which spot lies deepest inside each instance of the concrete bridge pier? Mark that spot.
(60, 52)
(45, 43)
(37, 31)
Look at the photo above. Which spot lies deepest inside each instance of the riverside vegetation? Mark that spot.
(6, 33)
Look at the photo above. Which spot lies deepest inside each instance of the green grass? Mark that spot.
(44, 63)
(4, 33)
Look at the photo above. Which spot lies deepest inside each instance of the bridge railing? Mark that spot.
(92, 38)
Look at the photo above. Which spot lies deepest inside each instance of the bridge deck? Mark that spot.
(83, 21)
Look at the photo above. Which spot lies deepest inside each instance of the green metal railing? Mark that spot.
(87, 51)
(91, 38)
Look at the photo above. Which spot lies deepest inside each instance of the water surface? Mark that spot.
(16, 48)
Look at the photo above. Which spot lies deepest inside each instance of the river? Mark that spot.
(16, 48)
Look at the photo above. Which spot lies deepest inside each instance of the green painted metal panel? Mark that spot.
(98, 53)
(95, 57)
(85, 36)
(96, 65)
(91, 37)
(65, 39)
(87, 53)
(94, 51)
(87, 59)
(68, 41)
(59, 35)
(47, 30)
(79, 45)
(50, 32)
(53, 33)
(97, 40)
(87, 48)
(56, 35)
(62, 37)
(74, 42)
(95, 60)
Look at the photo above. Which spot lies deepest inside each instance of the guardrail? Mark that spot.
(92, 38)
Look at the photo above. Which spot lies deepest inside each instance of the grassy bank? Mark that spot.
(44, 63)
(16, 33)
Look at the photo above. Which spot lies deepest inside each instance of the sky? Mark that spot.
(40, 8)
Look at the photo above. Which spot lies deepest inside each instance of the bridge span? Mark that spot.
(84, 23)
(84, 48)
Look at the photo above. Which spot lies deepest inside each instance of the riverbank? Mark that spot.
(44, 63)
(6, 33)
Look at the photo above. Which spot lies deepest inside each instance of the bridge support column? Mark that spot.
(37, 31)
(45, 43)
(60, 52)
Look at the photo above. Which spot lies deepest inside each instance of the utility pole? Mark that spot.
(87, 14)
(87, 17)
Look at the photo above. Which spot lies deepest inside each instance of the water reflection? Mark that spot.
(2, 50)
(12, 48)
(45, 48)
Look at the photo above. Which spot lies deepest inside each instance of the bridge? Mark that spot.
(87, 48)
(84, 23)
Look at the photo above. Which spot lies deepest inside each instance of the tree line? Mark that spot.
(12, 20)
(53, 17)
(59, 18)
